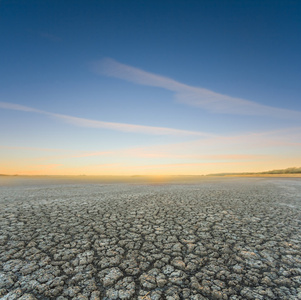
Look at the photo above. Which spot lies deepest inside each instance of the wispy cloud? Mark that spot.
(253, 146)
(153, 155)
(194, 96)
(12, 106)
(49, 166)
(46, 35)
(32, 149)
(124, 127)
(49, 36)
(248, 146)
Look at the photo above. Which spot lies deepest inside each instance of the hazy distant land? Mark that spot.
(288, 172)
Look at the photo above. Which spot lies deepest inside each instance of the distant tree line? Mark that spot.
(284, 171)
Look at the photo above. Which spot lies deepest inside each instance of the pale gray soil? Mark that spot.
(219, 239)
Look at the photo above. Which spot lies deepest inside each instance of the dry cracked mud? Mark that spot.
(218, 239)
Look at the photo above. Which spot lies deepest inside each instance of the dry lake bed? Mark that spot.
(227, 238)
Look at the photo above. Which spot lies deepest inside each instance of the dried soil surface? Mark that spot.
(218, 239)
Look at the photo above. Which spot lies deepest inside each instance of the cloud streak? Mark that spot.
(257, 147)
(123, 127)
(189, 95)
(12, 106)
(32, 149)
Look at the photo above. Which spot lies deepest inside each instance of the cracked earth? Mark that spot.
(218, 239)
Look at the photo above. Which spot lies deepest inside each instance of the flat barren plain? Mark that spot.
(226, 238)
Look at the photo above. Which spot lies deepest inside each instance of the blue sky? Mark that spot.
(149, 87)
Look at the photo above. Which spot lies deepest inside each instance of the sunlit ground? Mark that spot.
(145, 238)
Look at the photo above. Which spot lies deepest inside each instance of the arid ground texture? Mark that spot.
(227, 238)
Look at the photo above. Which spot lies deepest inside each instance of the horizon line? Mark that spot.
(269, 172)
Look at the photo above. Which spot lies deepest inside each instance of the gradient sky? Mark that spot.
(149, 87)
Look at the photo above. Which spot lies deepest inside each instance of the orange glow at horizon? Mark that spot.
(115, 169)
(236, 154)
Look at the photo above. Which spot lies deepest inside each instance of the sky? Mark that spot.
(149, 87)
